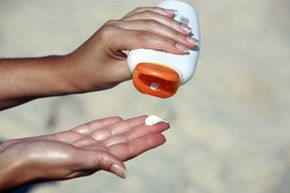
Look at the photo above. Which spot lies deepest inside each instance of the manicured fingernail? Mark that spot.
(118, 170)
(192, 40)
(185, 28)
(181, 47)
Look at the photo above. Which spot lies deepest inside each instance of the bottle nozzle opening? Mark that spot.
(156, 80)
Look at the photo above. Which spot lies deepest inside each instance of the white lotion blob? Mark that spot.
(153, 120)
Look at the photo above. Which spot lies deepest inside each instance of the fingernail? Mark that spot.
(185, 28)
(191, 40)
(181, 47)
(118, 170)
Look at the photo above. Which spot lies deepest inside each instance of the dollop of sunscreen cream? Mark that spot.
(153, 120)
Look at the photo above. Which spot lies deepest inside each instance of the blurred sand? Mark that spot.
(234, 132)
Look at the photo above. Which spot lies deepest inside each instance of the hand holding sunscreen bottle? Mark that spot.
(158, 73)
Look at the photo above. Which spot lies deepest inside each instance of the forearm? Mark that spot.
(25, 79)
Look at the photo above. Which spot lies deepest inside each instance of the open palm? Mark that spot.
(98, 145)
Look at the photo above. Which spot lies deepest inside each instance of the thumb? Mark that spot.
(101, 160)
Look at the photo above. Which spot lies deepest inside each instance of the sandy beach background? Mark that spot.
(230, 124)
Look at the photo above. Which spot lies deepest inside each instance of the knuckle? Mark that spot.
(144, 37)
(168, 42)
(126, 150)
(107, 31)
(147, 40)
(176, 35)
(179, 36)
(151, 24)
(172, 23)
(147, 13)
(111, 22)
(104, 161)
(137, 9)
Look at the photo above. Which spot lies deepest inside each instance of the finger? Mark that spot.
(134, 133)
(118, 128)
(131, 149)
(132, 39)
(84, 142)
(96, 160)
(8, 144)
(90, 127)
(158, 28)
(167, 21)
(166, 12)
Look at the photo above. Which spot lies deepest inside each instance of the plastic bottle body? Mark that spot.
(158, 73)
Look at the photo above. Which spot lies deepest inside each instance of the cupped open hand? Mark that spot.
(98, 145)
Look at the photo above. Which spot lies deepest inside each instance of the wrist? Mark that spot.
(81, 76)
(12, 174)
(70, 73)
(64, 75)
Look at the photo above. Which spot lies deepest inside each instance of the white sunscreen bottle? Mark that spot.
(158, 73)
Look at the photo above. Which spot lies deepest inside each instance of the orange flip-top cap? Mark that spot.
(156, 80)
